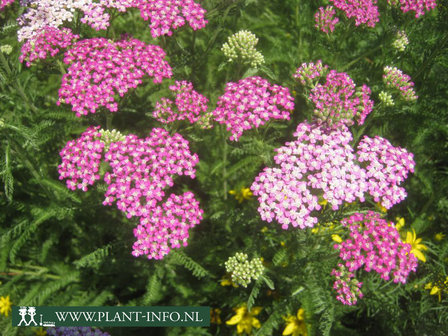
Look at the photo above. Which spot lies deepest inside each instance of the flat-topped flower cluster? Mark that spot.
(48, 42)
(251, 102)
(141, 172)
(99, 69)
(188, 104)
(374, 245)
(165, 15)
(321, 162)
(338, 101)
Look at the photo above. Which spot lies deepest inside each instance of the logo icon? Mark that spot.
(27, 311)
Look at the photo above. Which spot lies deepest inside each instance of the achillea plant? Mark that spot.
(364, 11)
(386, 167)
(48, 42)
(374, 245)
(141, 171)
(4, 3)
(420, 7)
(396, 80)
(401, 41)
(100, 68)
(167, 15)
(188, 104)
(325, 19)
(250, 103)
(337, 101)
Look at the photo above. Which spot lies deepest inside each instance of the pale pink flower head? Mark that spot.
(4, 3)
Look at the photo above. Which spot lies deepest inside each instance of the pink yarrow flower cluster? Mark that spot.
(48, 42)
(81, 159)
(375, 245)
(338, 101)
(319, 160)
(420, 7)
(189, 104)
(326, 19)
(394, 78)
(4, 3)
(167, 15)
(386, 167)
(100, 69)
(141, 171)
(250, 103)
(364, 11)
(346, 285)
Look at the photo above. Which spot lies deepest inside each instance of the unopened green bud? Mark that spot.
(241, 46)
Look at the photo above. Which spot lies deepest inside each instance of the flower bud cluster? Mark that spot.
(75, 331)
(241, 46)
(99, 69)
(189, 104)
(338, 101)
(322, 162)
(420, 7)
(346, 285)
(386, 167)
(49, 40)
(309, 73)
(167, 15)
(325, 19)
(250, 103)
(108, 137)
(375, 245)
(396, 79)
(364, 11)
(4, 3)
(242, 270)
(141, 171)
(386, 98)
(401, 41)
(6, 49)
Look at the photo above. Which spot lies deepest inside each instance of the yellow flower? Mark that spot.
(226, 281)
(243, 194)
(336, 238)
(245, 320)
(5, 305)
(439, 236)
(296, 324)
(417, 248)
(400, 223)
(215, 316)
(323, 202)
(41, 332)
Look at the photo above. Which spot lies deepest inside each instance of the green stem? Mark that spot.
(357, 59)
(224, 158)
(40, 273)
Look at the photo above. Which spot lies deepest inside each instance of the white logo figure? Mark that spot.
(23, 313)
(32, 313)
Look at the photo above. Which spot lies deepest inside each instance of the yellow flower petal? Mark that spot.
(419, 255)
(235, 319)
(301, 314)
(336, 238)
(290, 328)
(256, 310)
(435, 290)
(256, 323)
